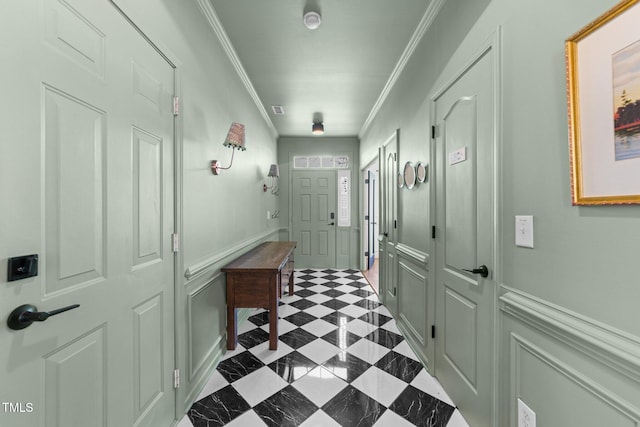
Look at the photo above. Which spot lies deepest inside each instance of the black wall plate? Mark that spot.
(21, 267)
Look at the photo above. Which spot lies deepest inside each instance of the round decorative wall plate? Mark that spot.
(409, 175)
(421, 172)
(400, 180)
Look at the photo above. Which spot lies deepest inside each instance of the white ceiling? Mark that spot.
(339, 70)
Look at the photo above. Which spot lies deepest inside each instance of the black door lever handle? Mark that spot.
(482, 271)
(26, 314)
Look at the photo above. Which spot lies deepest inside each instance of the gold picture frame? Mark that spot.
(602, 88)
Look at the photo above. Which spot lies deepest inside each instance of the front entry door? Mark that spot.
(465, 239)
(88, 150)
(314, 218)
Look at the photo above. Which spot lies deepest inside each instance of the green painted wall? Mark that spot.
(568, 311)
(347, 239)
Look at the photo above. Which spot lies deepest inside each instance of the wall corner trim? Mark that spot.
(212, 17)
(612, 347)
(426, 21)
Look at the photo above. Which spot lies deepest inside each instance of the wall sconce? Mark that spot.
(235, 139)
(274, 174)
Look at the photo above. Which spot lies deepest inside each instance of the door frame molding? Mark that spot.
(382, 210)
(375, 160)
(460, 63)
(180, 334)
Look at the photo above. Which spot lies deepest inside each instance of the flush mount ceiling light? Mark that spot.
(317, 128)
(311, 20)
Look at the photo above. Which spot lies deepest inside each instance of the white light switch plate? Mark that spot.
(458, 156)
(524, 231)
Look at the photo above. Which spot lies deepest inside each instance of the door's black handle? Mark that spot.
(26, 314)
(332, 223)
(482, 271)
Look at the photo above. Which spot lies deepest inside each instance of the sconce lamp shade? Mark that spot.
(317, 129)
(274, 171)
(274, 174)
(235, 137)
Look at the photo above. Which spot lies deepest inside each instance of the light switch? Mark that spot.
(524, 231)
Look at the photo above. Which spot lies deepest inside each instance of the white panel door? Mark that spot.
(465, 239)
(313, 200)
(87, 184)
(388, 224)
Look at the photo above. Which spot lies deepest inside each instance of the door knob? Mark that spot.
(482, 271)
(332, 223)
(26, 314)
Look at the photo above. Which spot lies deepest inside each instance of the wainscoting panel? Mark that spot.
(415, 301)
(413, 290)
(207, 321)
(569, 369)
(569, 397)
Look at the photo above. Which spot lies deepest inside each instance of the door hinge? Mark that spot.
(433, 231)
(366, 254)
(433, 132)
(176, 378)
(176, 106)
(433, 331)
(366, 217)
(395, 223)
(175, 242)
(366, 181)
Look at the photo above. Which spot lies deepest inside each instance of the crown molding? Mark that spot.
(212, 17)
(426, 21)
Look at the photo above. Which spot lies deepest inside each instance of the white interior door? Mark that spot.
(465, 239)
(88, 147)
(388, 224)
(313, 218)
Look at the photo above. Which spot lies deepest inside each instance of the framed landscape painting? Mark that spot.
(603, 85)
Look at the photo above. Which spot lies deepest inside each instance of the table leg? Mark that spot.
(291, 283)
(276, 288)
(232, 328)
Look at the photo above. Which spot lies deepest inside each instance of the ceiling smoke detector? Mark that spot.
(312, 20)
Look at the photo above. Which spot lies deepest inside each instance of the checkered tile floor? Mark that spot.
(341, 361)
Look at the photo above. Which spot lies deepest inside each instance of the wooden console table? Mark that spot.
(255, 280)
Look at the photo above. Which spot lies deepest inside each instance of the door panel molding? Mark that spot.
(82, 358)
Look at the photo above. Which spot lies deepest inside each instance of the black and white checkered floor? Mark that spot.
(341, 361)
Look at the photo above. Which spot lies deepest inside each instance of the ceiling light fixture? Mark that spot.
(317, 128)
(312, 19)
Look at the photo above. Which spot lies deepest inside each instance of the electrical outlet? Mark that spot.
(526, 416)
